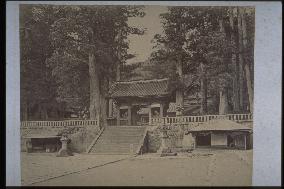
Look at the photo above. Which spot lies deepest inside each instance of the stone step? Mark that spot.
(112, 153)
(127, 148)
(118, 140)
(123, 132)
(115, 148)
(124, 150)
(125, 128)
(121, 137)
(123, 143)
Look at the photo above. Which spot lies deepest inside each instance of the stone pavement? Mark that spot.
(216, 168)
(38, 167)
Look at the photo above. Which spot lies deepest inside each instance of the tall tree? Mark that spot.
(234, 61)
(241, 59)
(209, 38)
(89, 34)
(247, 60)
(37, 83)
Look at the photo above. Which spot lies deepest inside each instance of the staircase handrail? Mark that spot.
(141, 142)
(95, 140)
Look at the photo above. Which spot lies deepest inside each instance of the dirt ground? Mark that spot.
(202, 168)
(37, 167)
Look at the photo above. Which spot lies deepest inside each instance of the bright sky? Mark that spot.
(141, 46)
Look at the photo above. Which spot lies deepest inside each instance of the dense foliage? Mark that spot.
(210, 44)
(71, 54)
(59, 40)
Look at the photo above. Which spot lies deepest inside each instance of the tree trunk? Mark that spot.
(118, 77)
(113, 111)
(223, 103)
(25, 111)
(249, 87)
(103, 108)
(246, 65)
(221, 26)
(216, 100)
(223, 91)
(43, 112)
(241, 60)
(110, 108)
(179, 92)
(95, 89)
(118, 71)
(46, 117)
(203, 89)
(119, 57)
(236, 103)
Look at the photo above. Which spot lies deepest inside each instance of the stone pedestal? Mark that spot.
(131, 149)
(63, 152)
(29, 147)
(188, 142)
(163, 142)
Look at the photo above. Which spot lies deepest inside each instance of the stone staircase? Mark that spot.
(119, 140)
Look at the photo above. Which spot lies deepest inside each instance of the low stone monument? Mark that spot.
(29, 147)
(131, 148)
(163, 141)
(64, 151)
(164, 150)
(188, 142)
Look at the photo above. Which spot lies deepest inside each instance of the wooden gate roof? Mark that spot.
(141, 88)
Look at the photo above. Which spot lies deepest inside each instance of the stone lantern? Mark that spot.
(163, 140)
(64, 151)
(188, 141)
(179, 110)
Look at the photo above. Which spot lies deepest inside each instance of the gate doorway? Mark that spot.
(203, 140)
(135, 117)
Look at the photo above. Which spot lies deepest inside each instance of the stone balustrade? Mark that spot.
(153, 121)
(59, 123)
(199, 119)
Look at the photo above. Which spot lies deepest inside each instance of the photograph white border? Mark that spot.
(267, 85)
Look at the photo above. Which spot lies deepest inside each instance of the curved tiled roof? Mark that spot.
(141, 88)
(42, 133)
(220, 125)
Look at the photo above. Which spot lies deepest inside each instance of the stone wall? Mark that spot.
(173, 140)
(81, 136)
(36, 130)
(154, 140)
(175, 137)
(80, 141)
(247, 124)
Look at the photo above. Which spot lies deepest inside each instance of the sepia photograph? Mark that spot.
(132, 95)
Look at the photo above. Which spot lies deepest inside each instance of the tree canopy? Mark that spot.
(207, 41)
(76, 52)
(62, 38)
